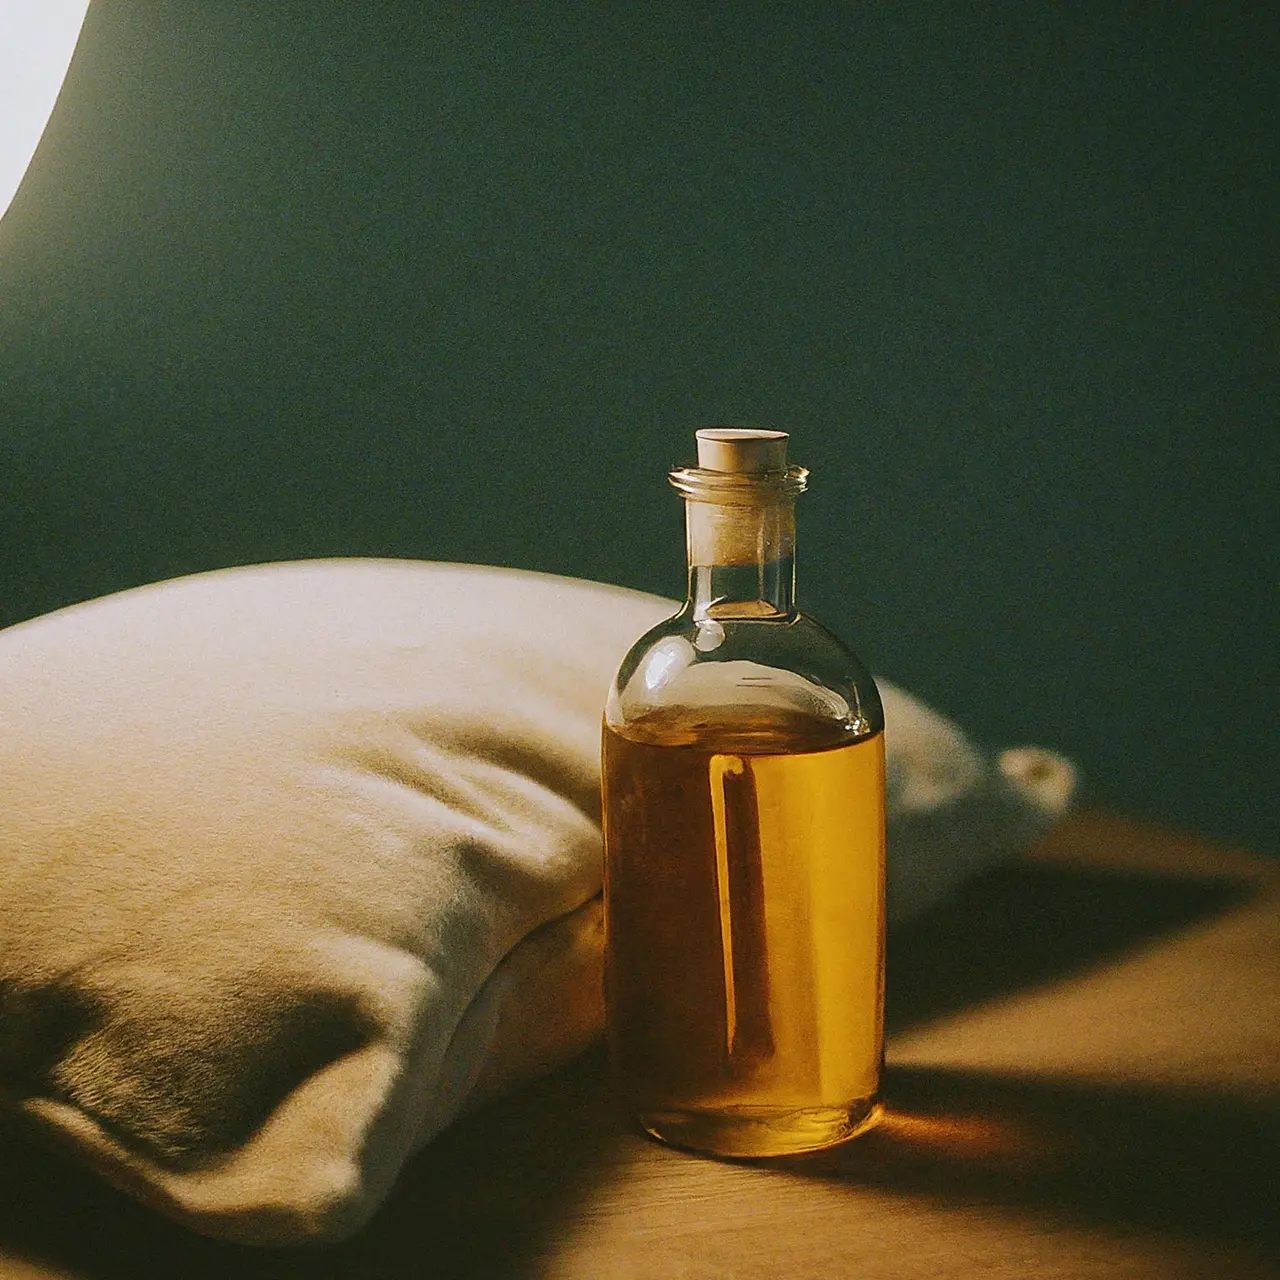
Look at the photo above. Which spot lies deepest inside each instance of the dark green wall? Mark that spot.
(458, 281)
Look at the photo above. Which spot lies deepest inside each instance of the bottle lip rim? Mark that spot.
(702, 485)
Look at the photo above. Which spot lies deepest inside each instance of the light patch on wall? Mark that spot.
(37, 39)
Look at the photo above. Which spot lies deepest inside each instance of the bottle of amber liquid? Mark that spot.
(743, 787)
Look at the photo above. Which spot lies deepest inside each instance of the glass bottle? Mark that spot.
(743, 797)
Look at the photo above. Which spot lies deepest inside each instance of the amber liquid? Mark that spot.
(744, 906)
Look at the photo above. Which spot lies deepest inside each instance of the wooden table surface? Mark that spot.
(1084, 1080)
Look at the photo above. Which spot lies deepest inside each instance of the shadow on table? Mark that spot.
(473, 1204)
(1029, 923)
(484, 1198)
(1196, 1167)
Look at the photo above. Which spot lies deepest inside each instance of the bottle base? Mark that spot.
(758, 1132)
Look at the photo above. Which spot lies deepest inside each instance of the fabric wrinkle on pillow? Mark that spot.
(297, 861)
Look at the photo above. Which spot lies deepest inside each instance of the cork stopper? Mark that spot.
(740, 509)
(741, 451)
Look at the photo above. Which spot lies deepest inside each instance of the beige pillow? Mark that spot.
(297, 860)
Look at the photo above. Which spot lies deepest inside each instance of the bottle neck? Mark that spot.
(741, 558)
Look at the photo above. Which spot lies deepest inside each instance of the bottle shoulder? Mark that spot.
(763, 670)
